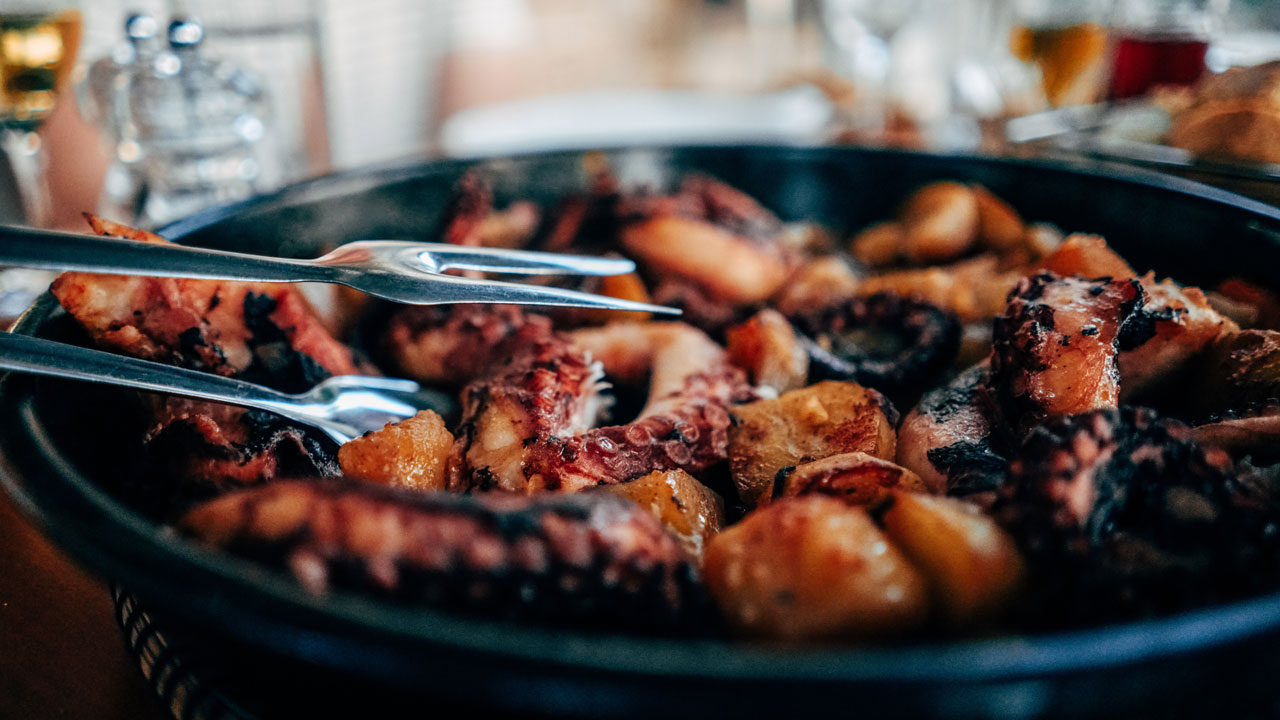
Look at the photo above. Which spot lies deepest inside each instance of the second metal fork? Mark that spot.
(405, 272)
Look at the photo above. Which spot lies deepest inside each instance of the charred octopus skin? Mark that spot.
(587, 559)
(1123, 515)
(527, 423)
(894, 344)
(953, 440)
(260, 332)
(1057, 345)
(444, 344)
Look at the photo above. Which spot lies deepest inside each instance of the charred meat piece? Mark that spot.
(260, 332)
(587, 559)
(453, 344)
(1057, 346)
(954, 440)
(1123, 515)
(894, 344)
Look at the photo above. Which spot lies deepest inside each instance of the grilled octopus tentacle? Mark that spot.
(1123, 515)
(526, 426)
(593, 559)
(453, 344)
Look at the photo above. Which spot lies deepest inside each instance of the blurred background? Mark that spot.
(147, 110)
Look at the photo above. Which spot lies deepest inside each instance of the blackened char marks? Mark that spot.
(1142, 326)
(972, 468)
(586, 559)
(276, 363)
(195, 451)
(1122, 515)
(1056, 346)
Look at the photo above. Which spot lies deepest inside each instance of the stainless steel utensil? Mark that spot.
(405, 272)
(344, 407)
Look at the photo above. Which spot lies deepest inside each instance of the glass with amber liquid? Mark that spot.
(37, 52)
(1067, 43)
(38, 46)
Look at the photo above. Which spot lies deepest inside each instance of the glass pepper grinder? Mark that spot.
(199, 125)
(105, 99)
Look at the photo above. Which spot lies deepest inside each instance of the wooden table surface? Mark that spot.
(61, 652)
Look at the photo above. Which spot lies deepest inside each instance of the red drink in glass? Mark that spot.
(1145, 61)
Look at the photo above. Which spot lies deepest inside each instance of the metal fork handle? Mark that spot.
(50, 250)
(36, 356)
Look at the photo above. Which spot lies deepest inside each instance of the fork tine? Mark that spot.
(374, 382)
(443, 257)
(454, 289)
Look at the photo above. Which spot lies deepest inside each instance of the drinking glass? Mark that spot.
(1067, 43)
(1161, 42)
(38, 45)
(858, 41)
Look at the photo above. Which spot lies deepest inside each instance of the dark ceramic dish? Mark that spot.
(290, 653)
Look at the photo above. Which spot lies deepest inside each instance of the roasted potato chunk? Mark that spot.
(974, 288)
(856, 478)
(813, 567)
(940, 222)
(692, 511)
(878, 245)
(766, 347)
(972, 565)
(412, 454)
(999, 226)
(815, 284)
(1087, 256)
(802, 426)
(624, 287)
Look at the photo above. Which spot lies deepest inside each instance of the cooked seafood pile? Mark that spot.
(958, 423)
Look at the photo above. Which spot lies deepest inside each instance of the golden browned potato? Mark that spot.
(816, 284)
(412, 454)
(1042, 239)
(1087, 256)
(625, 287)
(974, 288)
(972, 565)
(999, 225)
(813, 568)
(692, 511)
(766, 347)
(879, 244)
(940, 222)
(802, 426)
(856, 478)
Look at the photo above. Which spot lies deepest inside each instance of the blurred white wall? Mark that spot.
(382, 60)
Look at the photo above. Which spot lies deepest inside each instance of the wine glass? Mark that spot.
(38, 45)
(858, 40)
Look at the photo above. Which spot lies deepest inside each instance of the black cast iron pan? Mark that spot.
(292, 653)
